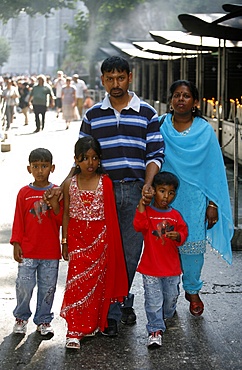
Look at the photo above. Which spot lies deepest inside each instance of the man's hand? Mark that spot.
(147, 194)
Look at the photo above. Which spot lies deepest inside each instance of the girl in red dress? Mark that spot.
(91, 243)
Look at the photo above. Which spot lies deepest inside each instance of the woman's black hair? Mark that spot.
(193, 89)
(165, 178)
(81, 148)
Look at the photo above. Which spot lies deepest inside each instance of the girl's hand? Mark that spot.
(50, 193)
(65, 251)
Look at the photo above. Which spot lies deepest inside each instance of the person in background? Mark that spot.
(164, 230)
(24, 94)
(32, 81)
(49, 81)
(88, 103)
(91, 242)
(10, 94)
(59, 82)
(194, 156)
(35, 238)
(81, 89)
(40, 95)
(68, 97)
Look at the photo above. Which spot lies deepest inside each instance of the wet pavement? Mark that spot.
(212, 341)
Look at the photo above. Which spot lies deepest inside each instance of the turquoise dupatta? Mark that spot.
(196, 158)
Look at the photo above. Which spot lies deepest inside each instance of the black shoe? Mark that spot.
(128, 316)
(112, 329)
(37, 130)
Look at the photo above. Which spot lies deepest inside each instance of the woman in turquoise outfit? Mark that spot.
(194, 156)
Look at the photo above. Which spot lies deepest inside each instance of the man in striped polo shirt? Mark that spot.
(132, 153)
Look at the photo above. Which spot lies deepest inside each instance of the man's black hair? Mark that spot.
(115, 63)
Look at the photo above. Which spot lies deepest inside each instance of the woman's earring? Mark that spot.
(99, 164)
(77, 166)
(193, 109)
(171, 108)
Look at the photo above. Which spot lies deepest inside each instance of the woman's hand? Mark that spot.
(211, 215)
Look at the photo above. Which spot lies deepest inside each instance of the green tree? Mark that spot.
(95, 27)
(120, 20)
(74, 55)
(12, 8)
(4, 51)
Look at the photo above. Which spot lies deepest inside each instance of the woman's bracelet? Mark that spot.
(63, 241)
(213, 206)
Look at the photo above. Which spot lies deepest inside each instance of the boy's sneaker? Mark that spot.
(45, 329)
(20, 326)
(155, 339)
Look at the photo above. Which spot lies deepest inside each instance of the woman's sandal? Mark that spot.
(73, 343)
(196, 307)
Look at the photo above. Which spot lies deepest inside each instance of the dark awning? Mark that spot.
(133, 52)
(183, 40)
(161, 49)
(200, 25)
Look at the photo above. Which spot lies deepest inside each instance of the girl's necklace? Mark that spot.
(87, 202)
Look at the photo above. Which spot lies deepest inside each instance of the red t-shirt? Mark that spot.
(36, 228)
(160, 255)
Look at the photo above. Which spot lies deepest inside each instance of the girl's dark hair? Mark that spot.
(81, 148)
(165, 178)
(115, 63)
(193, 89)
(40, 154)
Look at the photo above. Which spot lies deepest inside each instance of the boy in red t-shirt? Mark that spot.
(36, 242)
(164, 230)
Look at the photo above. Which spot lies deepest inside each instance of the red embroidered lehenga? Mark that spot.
(97, 272)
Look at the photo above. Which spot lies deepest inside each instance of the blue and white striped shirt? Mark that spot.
(129, 140)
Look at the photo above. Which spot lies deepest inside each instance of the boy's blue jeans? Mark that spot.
(160, 295)
(45, 272)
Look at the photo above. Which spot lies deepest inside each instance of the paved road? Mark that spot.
(212, 341)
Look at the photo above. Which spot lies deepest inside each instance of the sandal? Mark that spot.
(196, 307)
(73, 343)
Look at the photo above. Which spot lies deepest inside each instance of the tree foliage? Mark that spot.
(98, 23)
(12, 8)
(4, 51)
(96, 27)
(120, 20)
